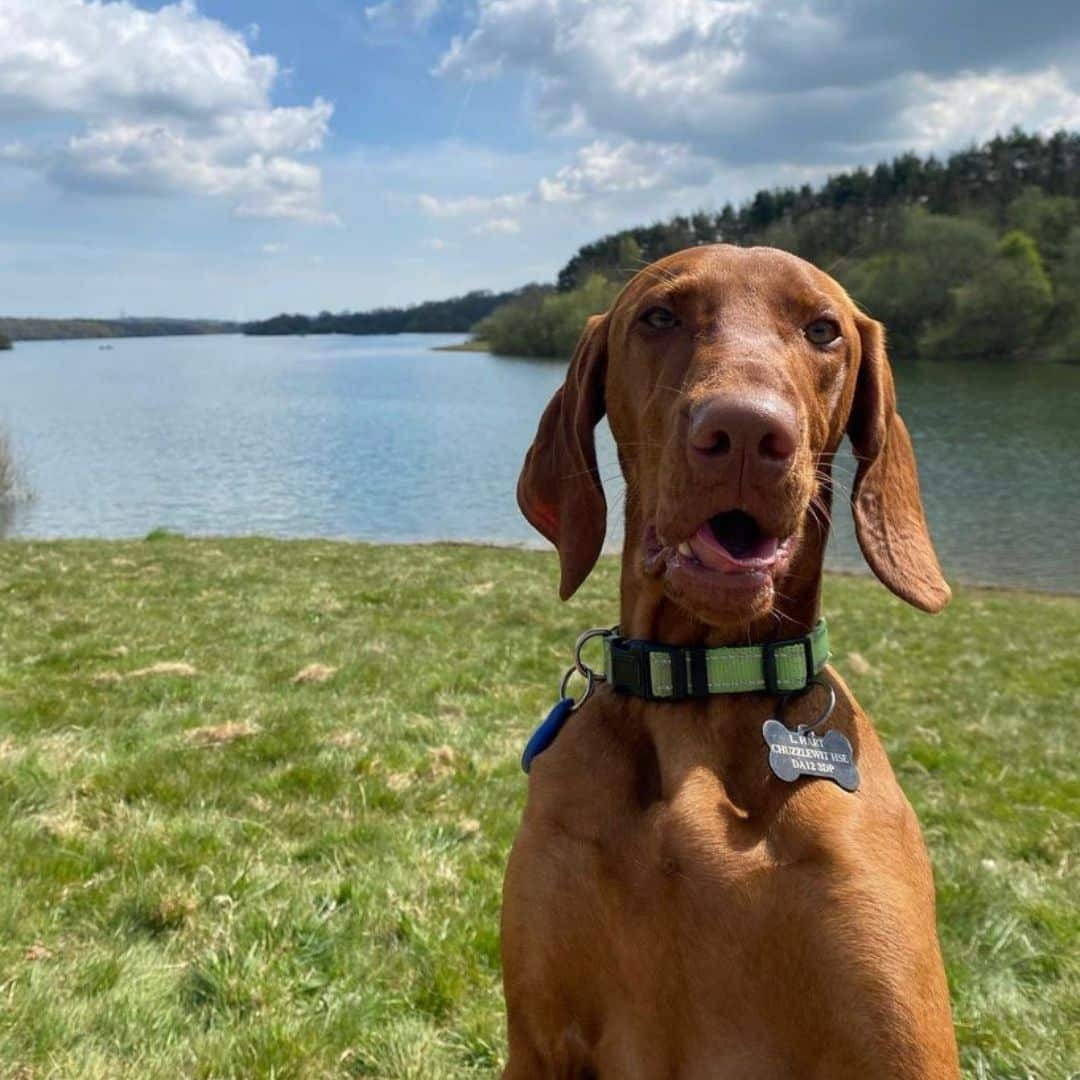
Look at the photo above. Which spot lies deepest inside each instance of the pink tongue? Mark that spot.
(711, 552)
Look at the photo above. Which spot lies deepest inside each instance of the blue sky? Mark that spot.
(236, 158)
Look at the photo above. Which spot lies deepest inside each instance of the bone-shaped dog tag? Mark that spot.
(802, 753)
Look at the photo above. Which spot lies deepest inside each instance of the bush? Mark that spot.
(1001, 311)
(5, 342)
(546, 325)
(1047, 219)
(1064, 322)
(910, 288)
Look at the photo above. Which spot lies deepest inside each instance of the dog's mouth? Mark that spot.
(728, 567)
(733, 542)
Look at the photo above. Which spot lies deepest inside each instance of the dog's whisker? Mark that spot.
(669, 388)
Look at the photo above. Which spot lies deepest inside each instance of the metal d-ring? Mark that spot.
(830, 706)
(590, 683)
(583, 639)
(591, 677)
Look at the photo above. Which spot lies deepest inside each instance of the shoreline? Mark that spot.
(472, 345)
(526, 547)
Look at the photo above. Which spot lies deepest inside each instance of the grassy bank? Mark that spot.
(222, 861)
(472, 345)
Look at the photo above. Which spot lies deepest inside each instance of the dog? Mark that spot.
(673, 907)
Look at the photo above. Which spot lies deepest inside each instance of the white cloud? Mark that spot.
(170, 102)
(594, 57)
(693, 99)
(435, 206)
(603, 168)
(402, 14)
(968, 107)
(599, 169)
(17, 153)
(505, 226)
(274, 249)
(747, 82)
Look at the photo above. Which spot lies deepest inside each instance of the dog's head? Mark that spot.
(729, 376)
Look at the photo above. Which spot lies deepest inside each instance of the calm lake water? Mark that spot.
(381, 438)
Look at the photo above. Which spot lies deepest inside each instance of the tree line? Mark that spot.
(456, 315)
(973, 257)
(18, 329)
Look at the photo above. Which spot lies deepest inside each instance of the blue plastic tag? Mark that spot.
(545, 734)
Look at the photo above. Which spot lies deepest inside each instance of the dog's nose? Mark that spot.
(763, 432)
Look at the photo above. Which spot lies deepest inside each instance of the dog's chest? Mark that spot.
(688, 900)
(675, 881)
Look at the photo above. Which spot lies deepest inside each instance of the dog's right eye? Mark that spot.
(822, 331)
(659, 318)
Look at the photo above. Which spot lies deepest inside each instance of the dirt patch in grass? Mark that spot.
(346, 740)
(313, 673)
(172, 668)
(857, 664)
(221, 734)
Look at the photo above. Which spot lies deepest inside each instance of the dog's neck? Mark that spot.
(647, 613)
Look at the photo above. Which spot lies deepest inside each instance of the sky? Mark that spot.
(237, 158)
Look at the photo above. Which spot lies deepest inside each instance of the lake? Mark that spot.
(381, 438)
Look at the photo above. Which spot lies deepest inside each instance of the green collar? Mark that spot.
(658, 672)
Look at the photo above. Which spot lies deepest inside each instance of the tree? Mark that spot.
(630, 255)
(5, 342)
(1000, 312)
(909, 286)
(456, 315)
(1064, 320)
(546, 325)
(1046, 218)
(892, 286)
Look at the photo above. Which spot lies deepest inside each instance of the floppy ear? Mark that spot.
(889, 518)
(559, 489)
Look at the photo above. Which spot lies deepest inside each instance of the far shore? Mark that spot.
(472, 345)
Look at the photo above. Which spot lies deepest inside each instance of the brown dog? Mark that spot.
(672, 908)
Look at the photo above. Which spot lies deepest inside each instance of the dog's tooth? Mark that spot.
(684, 549)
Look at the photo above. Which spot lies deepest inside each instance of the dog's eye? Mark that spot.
(659, 318)
(822, 332)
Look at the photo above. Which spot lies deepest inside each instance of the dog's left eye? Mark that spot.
(822, 332)
(659, 318)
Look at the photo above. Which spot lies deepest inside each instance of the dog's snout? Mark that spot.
(762, 431)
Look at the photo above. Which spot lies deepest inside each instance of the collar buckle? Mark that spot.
(630, 667)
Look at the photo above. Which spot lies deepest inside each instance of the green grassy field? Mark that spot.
(214, 869)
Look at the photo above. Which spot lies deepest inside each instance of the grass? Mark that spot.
(256, 799)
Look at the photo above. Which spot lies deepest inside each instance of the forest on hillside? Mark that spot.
(973, 257)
